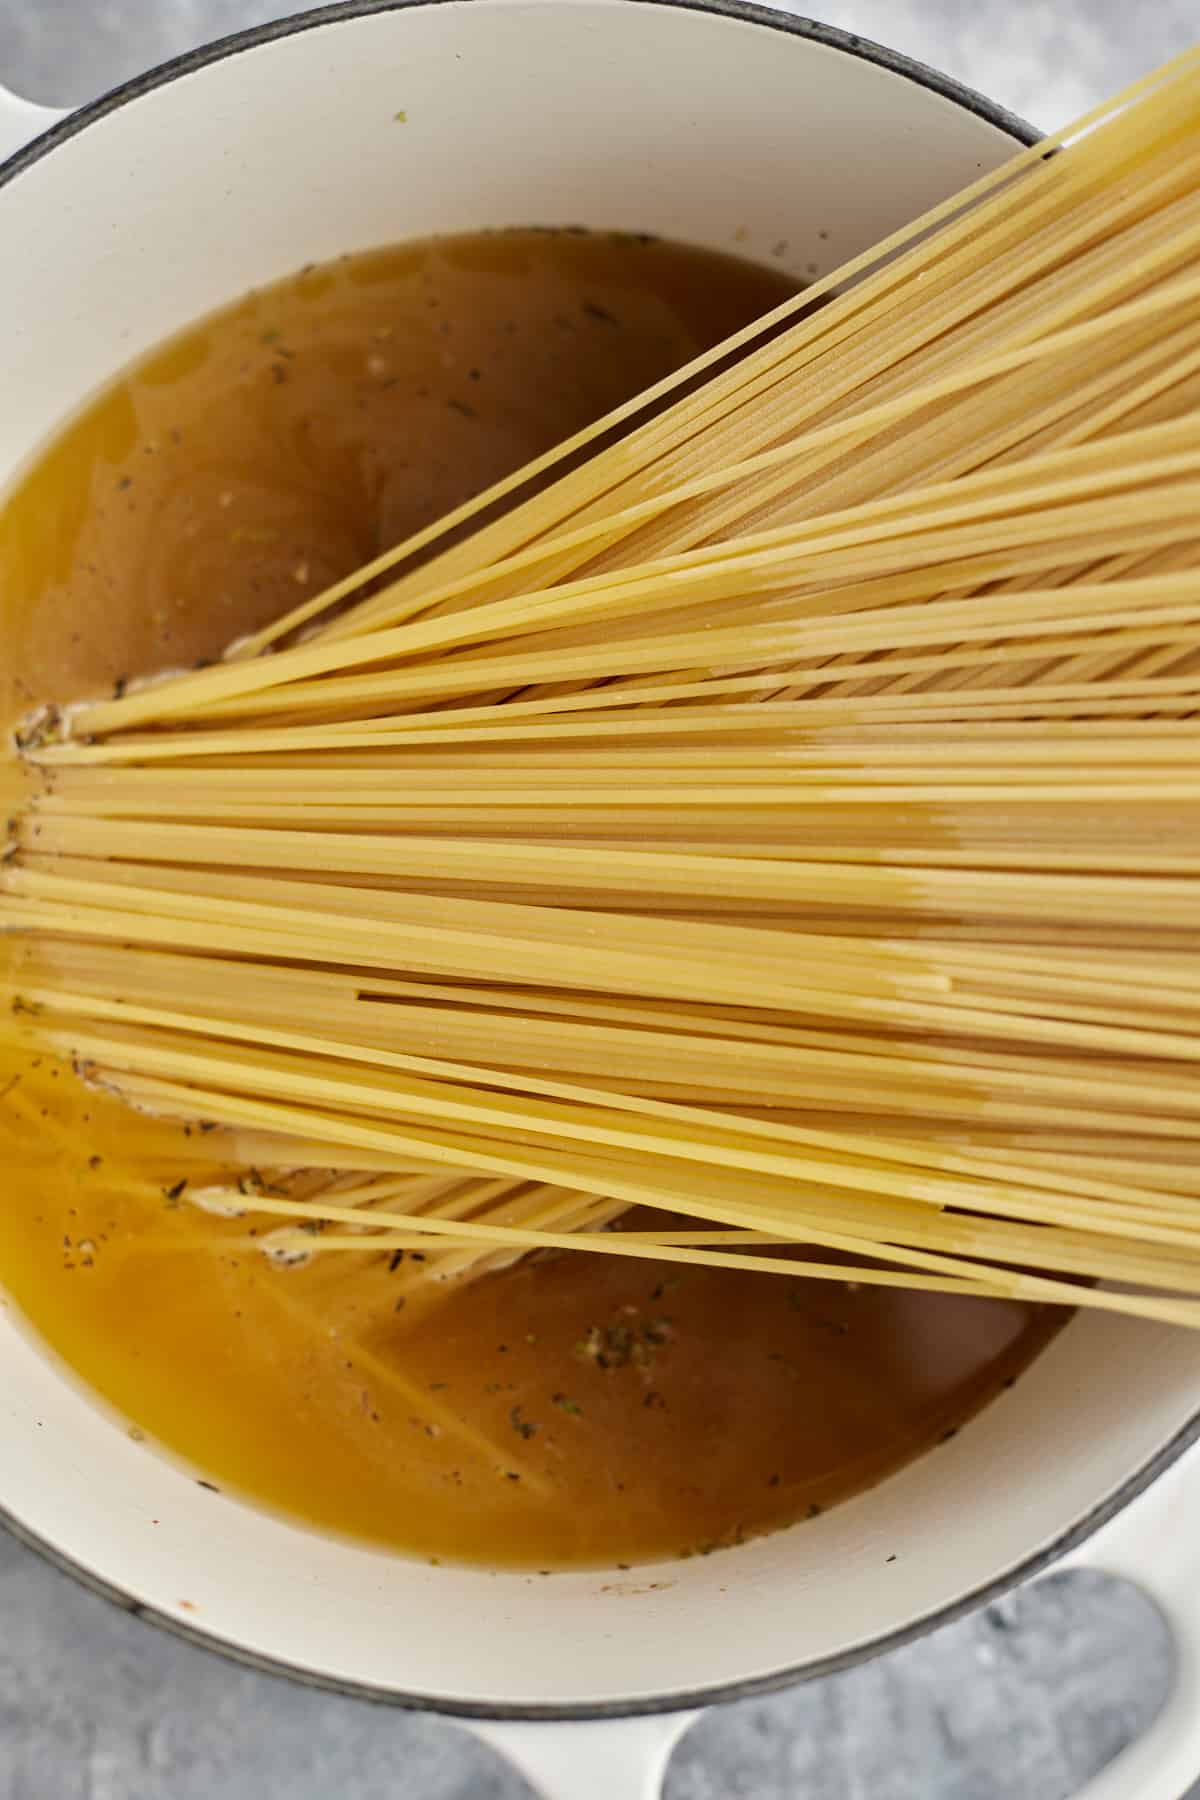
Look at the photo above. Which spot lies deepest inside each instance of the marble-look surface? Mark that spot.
(1047, 60)
(1022, 1702)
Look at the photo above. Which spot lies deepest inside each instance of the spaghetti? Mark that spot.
(787, 819)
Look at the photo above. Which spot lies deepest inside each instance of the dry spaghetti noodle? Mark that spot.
(788, 819)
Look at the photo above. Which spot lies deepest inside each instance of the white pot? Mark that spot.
(703, 122)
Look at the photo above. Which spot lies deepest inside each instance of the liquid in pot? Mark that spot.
(569, 1410)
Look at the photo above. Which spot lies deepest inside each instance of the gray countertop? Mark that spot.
(1023, 1701)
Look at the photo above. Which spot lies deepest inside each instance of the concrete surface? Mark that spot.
(1022, 1702)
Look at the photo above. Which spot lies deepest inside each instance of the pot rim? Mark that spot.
(830, 37)
(234, 43)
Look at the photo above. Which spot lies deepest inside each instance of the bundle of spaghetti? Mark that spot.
(786, 819)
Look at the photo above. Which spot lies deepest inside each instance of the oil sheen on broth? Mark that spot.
(568, 1410)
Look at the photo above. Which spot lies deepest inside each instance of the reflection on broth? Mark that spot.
(569, 1409)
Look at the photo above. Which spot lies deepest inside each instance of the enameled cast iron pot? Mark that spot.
(714, 123)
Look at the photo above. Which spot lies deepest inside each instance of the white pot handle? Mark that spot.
(21, 121)
(614, 1759)
(1155, 1543)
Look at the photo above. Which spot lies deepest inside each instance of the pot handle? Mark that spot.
(23, 120)
(613, 1759)
(1155, 1543)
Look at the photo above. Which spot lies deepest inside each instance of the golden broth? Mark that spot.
(569, 1409)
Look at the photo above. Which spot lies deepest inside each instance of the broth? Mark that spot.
(568, 1410)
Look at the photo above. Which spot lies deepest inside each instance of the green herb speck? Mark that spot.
(524, 1427)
